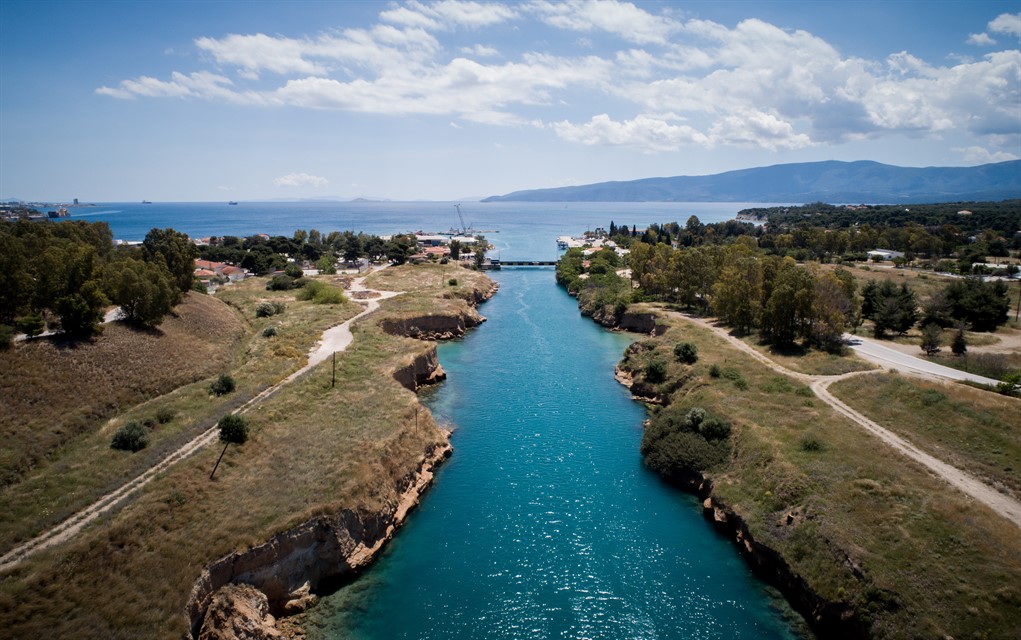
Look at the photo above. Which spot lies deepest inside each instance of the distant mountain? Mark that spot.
(831, 181)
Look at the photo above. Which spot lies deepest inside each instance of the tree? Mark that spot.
(130, 437)
(143, 290)
(932, 338)
(400, 248)
(686, 352)
(959, 345)
(737, 292)
(480, 256)
(223, 385)
(233, 430)
(983, 305)
(352, 247)
(455, 249)
(325, 264)
(178, 254)
(75, 293)
(832, 311)
(15, 278)
(788, 311)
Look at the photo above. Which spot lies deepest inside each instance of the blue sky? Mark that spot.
(421, 100)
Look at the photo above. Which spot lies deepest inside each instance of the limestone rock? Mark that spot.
(239, 612)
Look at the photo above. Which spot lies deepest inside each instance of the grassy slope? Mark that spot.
(56, 390)
(974, 430)
(931, 563)
(313, 449)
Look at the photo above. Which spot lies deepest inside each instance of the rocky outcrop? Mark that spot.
(827, 619)
(646, 322)
(423, 369)
(239, 611)
(287, 568)
(434, 326)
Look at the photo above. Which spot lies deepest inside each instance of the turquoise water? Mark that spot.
(544, 523)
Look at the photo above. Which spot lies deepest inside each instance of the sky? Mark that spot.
(449, 100)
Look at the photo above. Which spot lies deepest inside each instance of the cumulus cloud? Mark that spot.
(1009, 23)
(981, 155)
(981, 40)
(301, 180)
(686, 82)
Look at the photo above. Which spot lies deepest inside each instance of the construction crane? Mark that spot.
(464, 227)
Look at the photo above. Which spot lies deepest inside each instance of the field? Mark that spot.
(858, 522)
(313, 449)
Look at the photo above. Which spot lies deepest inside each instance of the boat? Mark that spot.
(232, 202)
(146, 202)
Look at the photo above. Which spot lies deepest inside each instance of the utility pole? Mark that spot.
(333, 382)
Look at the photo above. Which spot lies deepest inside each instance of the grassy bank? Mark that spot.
(864, 527)
(314, 448)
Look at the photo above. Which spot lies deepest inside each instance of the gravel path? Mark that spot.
(334, 339)
(1005, 505)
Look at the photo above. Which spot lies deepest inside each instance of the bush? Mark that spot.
(321, 293)
(130, 437)
(280, 283)
(686, 352)
(7, 334)
(222, 385)
(165, 415)
(293, 271)
(452, 282)
(810, 443)
(655, 372)
(233, 429)
(199, 287)
(269, 332)
(31, 325)
(714, 428)
(714, 371)
(269, 308)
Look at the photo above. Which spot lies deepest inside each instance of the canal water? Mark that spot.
(544, 523)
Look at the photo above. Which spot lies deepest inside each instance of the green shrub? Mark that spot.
(7, 334)
(130, 437)
(31, 325)
(714, 428)
(741, 384)
(280, 283)
(655, 372)
(165, 415)
(714, 371)
(293, 270)
(223, 385)
(811, 443)
(233, 429)
(321, 293)
(686, 352)
(269, 308)
(199, 287)
(452, 282)
(269, 332)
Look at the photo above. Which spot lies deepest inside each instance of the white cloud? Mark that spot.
(981, 155)
(753, 84)
(301, 180)
(644, 133)
(1009, 23)
(622, 19)
(981, 40)
(481, 50)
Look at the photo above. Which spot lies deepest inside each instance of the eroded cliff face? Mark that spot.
(422, 369)
(292, 564)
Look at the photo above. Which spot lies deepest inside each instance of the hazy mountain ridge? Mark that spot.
(829, 181)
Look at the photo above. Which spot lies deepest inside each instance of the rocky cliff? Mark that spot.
(288, 568)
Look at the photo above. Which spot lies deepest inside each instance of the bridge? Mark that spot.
(498, 264)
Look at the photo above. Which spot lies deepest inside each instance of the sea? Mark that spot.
(518, 231)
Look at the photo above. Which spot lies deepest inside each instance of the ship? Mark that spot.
(232, 202)
(146, 202)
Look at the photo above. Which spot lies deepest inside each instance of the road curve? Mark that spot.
(883, 355)
(1006, 506)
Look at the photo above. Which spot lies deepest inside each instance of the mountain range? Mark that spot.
(829, 181)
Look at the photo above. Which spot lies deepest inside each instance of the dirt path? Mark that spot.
(337, 338)
(1005, 505)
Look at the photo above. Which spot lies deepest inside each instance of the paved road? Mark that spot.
(891, 358)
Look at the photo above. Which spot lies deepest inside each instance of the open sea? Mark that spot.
(518, 231)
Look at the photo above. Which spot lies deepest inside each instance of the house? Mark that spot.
(885, 254)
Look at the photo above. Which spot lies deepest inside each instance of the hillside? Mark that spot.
(830, 181)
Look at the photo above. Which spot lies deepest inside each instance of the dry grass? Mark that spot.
(314, 449)
(809, 360)
(974, 430)
(868, 526)
(55, 391)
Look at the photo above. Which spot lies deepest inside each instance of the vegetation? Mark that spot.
(855, 521)
(313, 449)
(131, 437)
(223, 385)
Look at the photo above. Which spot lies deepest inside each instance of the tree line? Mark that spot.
(63, 275)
